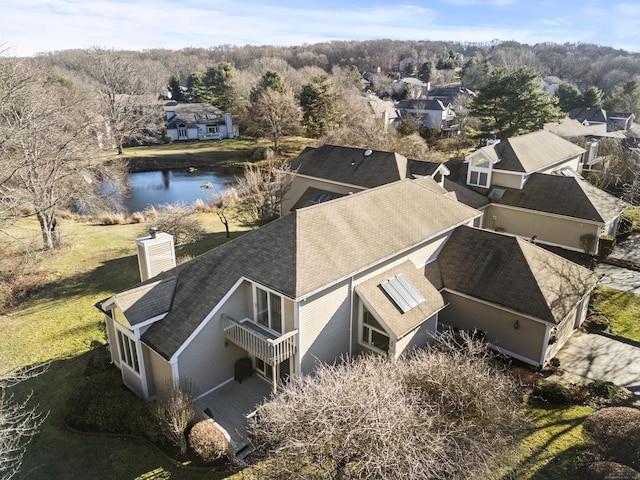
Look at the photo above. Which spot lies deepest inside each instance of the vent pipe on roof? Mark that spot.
(153, 231)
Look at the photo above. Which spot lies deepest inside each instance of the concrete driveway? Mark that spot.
(620, 278)
(593, 356)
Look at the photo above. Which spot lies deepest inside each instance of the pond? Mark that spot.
(158, 187)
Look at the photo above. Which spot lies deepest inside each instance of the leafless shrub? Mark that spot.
(438, 413)
(613, 434)
(178, 220)
(200, 207)
(137, 217)
(19, 420)
(175, 412)
(208, 441)
(222, 203)
(150, 213)
(113, 219)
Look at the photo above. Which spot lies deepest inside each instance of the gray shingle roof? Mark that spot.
(533, 152)
(192, 114)
(314, 196)
(513, 273)
(567, 196)
(307, 250)
(351, 166)
(146, 300)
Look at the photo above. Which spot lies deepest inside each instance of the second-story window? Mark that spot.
(268, 309)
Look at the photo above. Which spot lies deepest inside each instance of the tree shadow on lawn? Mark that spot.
(59, 453)
(120, 273)
(567, 464)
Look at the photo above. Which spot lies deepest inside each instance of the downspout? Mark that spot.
(351, 317)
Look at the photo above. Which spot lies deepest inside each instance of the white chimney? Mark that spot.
(156, 253)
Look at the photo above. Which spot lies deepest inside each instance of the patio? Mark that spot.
(232, 403)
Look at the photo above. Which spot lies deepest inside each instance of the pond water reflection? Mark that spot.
(173, 186)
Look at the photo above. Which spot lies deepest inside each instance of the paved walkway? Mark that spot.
(593, 356)
(618, 277)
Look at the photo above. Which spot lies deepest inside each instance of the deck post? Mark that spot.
(274, 378)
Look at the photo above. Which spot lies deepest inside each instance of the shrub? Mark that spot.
(137, 217)
(553, 392)
(102, 404)
(604, 389)
(175, 412)
(607, 242)
(113, 219)
(177, 219)
(580, 394)
(208, 441)
(554, 362)
(597, 322)
(610, 471)
(613, 434)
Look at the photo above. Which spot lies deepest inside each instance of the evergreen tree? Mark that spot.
(427, 72)
(592, 97)
(174, 88)
(219, 81)
(474, 73)
(273, 80)
(197, 92)
(569, 97)
(319, 105)
(513, 102)
(625, 98)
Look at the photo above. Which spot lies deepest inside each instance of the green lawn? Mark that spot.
(59, 324)
(622, 309)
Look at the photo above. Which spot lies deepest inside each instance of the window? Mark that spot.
(182, 131)
(268, 309)
(128, 352)
(373, 335)
(479, 179)
(212, 129)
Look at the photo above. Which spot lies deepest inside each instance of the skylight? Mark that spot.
(402, 292)
(496, 193)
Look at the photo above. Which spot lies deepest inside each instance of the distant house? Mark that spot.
(614, 121)
(430, 113)
(197, 121)
(448, 94)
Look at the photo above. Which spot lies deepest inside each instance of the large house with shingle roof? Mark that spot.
(197, 121)
(380, 270)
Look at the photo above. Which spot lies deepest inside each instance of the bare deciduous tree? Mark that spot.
(177, 219)
(175, 411)
(275, 114)
(126, 95)
(48, 146)
(439, 413)
(19, 421)
(221, 203)
(260, 192)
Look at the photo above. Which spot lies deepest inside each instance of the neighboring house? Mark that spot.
(385, 110)
(416, 87)
(536, 192)
(614, 121)
(448, 94)
(197, 121)
(330, 171)
(430, 113)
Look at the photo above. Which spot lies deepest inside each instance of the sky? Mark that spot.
(28, 27)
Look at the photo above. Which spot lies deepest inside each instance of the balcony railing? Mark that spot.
(258, 341)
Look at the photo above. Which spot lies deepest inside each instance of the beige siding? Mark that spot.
(573, 163)
(567, 327)
(546, 228)
(418, 337)
(113, 342)
(527, 341)
(509, 180)
(208, 360)
(324, 327)
(132, 380)
(300, 185)
(158, 370)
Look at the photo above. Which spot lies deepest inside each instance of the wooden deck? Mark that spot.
(232, 403)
